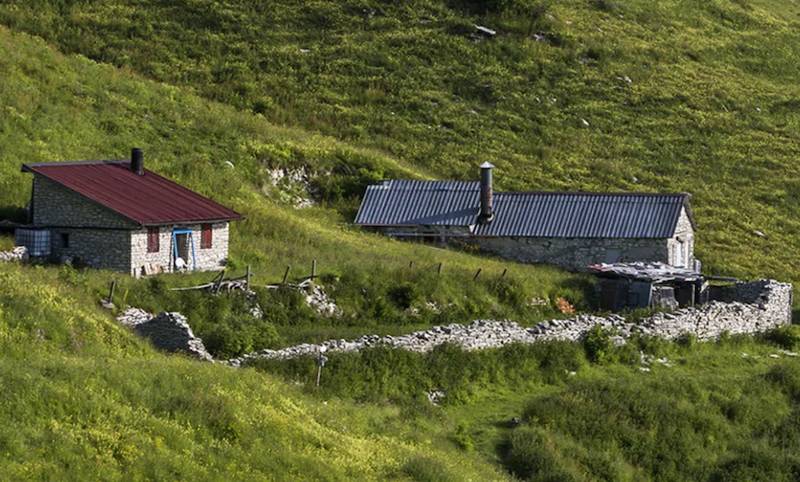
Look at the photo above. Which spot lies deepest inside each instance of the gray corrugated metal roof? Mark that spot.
(584, 215)
(526, 214)
(408, 203)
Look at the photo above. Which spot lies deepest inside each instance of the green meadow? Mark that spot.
(679, 95)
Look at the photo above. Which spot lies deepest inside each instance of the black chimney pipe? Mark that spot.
(487, 209)
(137, 161)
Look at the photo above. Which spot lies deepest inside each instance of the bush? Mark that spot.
(598, 345)
(787, 377)
(687, 340)
(784, 336)
(403, 295)
(531, 454)
(424, 469)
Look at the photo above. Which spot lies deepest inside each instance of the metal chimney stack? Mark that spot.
(487, 204)
(137, 161)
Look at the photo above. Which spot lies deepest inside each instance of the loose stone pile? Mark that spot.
(18, 254)
(318, 299)
(166, 331)
(134, 316)
(770, 307)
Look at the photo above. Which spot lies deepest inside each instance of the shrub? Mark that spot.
(510, 291)
(558, 358)
(686, 340)
(598, 345)
(531, 454)
(425, 469)
(463, 438)
(787, 377)
(403, 295)
(784, 336)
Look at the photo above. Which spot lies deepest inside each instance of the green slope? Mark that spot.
(388, 90)
(72, 108)
(678, 96)
(83, 399)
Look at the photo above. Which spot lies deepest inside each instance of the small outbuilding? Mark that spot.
(120, 216)
(648, 285)
(569, 229)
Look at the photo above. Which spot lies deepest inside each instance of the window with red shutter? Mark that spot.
(152, 240)
(206, 239)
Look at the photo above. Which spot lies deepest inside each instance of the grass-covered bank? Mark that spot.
(676, 96)
(651, 410)
(84, 399)
(190, 139)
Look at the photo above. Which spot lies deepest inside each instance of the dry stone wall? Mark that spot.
(768, 306)
(166, 331)
(19, 254)
(761, 306)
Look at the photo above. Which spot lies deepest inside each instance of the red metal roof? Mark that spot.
(148, 200)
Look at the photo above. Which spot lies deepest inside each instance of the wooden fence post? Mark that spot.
(111, 290)
(218, 286)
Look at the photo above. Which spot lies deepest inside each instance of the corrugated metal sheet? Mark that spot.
(148, 200)
(408, 203)
(584, 215)
(524, 214)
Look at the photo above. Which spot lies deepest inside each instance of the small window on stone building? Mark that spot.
(153, 239)
(65, 240)
(206, 238)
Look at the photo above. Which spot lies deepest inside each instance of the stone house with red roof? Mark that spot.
(117, 215)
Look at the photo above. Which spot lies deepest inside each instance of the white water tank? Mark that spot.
(36, 240)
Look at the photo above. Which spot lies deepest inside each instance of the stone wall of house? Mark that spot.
(207, 258)
(98, 248)
(574, 253)
(55, 205)
(682, 240)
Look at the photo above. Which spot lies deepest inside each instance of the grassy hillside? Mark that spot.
(72, 108)
(678, 96)
(84, 400)
(648, 411)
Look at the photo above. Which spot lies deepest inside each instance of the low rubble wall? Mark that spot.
(768, 306)
(19, 253)
(166, 331)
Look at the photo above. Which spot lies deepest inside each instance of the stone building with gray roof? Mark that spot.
(573, 230)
